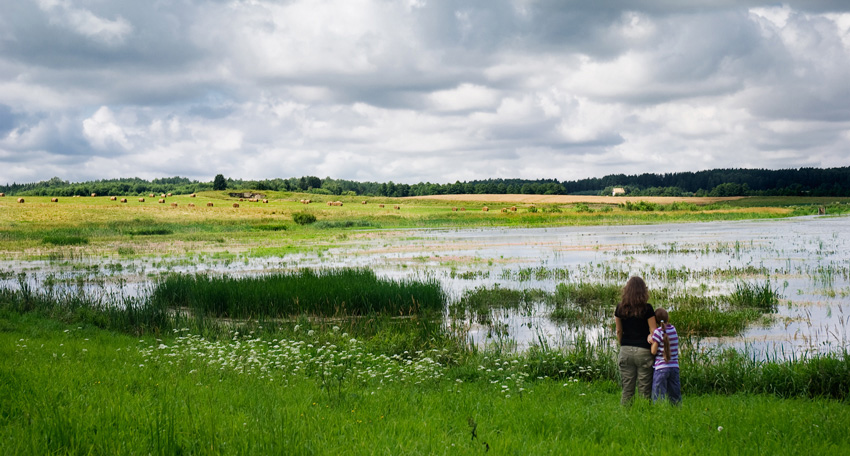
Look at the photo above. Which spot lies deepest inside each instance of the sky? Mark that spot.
(419, 90)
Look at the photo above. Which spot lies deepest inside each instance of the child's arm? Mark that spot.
(654, 348)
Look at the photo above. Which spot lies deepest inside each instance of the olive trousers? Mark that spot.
(635, 368)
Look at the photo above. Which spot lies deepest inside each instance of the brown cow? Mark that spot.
(123, 200)
(141, 200)
(20, 200)
(54, 200)
(112, 198)
(161, 201)
(209, 204)
(235, 204)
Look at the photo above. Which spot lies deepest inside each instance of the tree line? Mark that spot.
(716, 182)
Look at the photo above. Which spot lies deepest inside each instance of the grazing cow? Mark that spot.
(123, 200)
(209, 204)
(191, 204)
(20, 200)
(235, 204)
(54, 200)
(192, 195)
(93, 195)
(485, 208)
(141, 200)
(112, 198)
(161, 201)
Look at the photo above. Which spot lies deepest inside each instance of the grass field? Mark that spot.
(101, 226)
(302, 363)
(74, 389)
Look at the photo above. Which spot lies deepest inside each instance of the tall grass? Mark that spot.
(333, 292)
(753, 295)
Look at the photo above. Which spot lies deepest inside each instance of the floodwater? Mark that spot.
(807, 259)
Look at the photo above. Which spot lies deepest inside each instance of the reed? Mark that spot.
(333, 292)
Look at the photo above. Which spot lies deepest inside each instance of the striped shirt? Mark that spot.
(658, 337)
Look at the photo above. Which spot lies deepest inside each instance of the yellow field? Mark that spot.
(572, 199)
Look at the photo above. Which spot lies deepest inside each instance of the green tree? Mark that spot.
(219, 183)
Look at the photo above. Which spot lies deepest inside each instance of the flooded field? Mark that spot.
(806, 260)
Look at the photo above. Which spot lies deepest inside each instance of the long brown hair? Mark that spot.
(663, 318)
(634, 297)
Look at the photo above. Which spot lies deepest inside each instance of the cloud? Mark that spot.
(410, 90)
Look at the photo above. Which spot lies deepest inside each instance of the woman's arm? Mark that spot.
(620, 329)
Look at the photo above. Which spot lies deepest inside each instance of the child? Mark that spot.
(665, 347)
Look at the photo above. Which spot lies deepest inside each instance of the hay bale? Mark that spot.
(173, 204)
(112, 198)
(265, 201)
(236, 204)
(168, 194)
(463, 208)
(504, 209)
(397, 207)
(141, 200)
(209, 204)
(191, 204)
(192, 195)
(381, 206)
(151, 195)
(161, 201)
(2, 194)
(363, 202)
(93, 195)
(54, 200)
(485, 209)
(513, 208)
(20, 200)
(123, 200)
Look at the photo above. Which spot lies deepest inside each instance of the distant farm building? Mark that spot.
(618, 191)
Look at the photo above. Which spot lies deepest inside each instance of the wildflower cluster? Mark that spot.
(340, 359)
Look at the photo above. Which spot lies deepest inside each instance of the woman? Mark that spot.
(635, 320)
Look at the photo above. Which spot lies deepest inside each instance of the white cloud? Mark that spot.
(84, 22)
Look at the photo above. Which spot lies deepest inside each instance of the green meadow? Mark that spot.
(341, 361)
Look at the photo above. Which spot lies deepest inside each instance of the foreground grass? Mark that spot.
(79, 390)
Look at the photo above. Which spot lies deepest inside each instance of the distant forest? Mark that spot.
(716, 182)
